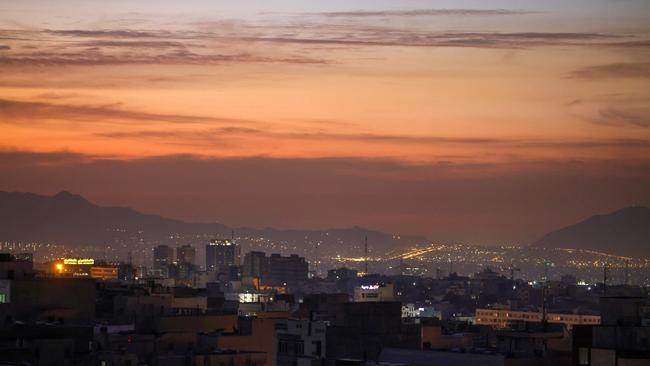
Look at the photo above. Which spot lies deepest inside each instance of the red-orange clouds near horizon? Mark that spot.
(479, 123)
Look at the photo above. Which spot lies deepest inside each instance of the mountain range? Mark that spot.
(624, 232)
(70, 219)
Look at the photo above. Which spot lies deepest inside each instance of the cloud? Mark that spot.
(107, 33)
(614, 70)
(639, 117)
(25, 158)
(423, 12)
(642, 43)
(614, 110)
(390, 37)
(56, 96)
(14, 111)
(85, 58)
(123, 47)
(116, 47)
(135, 44)
(207, 137)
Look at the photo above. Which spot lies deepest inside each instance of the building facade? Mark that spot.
(378, 292)
(503, 318)
(221, 253)
(163, 257)
(186, 254)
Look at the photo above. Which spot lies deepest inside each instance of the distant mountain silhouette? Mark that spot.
(624, 232)
(70, 219)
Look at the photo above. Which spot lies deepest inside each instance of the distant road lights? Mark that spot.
(59, 267)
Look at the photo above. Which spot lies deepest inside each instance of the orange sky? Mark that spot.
(503, 89)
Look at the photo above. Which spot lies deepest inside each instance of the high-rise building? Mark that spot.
(289, 270)
(220, 253)
(126, 272)
(163, 257)
(342, 273)
(256, 264)
(185, 267)
(186, 254)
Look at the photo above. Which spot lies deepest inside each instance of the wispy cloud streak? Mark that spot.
(15, 111)
(614, 70)
(423, 12)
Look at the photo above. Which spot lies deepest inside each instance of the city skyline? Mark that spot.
(324, 183)
(473, 121)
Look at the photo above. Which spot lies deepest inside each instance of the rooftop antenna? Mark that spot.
(366, 255)
(232, 235)
(130, 259)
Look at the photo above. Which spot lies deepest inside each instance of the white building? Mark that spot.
(378, 292)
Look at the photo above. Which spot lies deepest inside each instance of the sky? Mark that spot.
(488, 122)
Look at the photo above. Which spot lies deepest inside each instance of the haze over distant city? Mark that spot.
(325, 182)
(458, 120)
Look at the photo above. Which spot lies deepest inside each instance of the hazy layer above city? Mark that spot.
(483, 122)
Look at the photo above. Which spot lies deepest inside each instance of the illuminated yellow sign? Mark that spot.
(78, 261)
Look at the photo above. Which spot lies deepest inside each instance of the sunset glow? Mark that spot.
(411, 116)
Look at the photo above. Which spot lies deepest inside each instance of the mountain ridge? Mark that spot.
(624, 232)
(71, 219)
